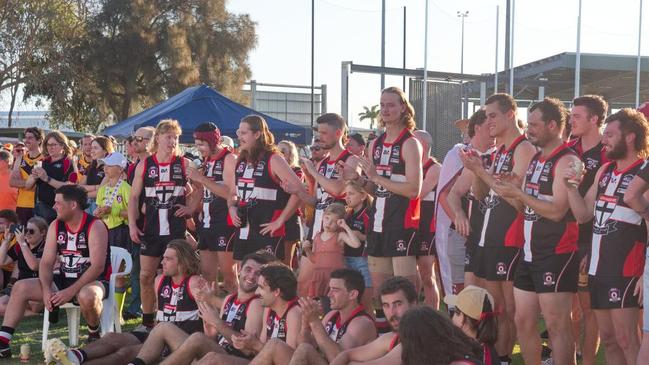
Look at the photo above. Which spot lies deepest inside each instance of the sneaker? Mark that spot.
(547, 361)
(5, 353)
(56, 350)
(546, 352)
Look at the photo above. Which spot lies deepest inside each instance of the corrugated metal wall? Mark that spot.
(444, 106)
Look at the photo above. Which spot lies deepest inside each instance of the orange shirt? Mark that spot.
(8, 195)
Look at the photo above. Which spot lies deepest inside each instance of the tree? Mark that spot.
(370, 113)
(136, 53)
(29, 30)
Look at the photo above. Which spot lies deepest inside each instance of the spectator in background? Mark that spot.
(317, 153)
(7, 147)
(22, 169)
(57, 170)
(85, 158)
(294, 224)
(428, 337)
(28, 252)
(19, 149)
(8, 220)
(112, 208)
(131, 155)
(100, 147)
(356, 144)
(8, 194)
(227, 142)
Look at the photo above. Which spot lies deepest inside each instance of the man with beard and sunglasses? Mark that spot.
(619, 234)
(397, 295)
(546, 279)
(239, 311)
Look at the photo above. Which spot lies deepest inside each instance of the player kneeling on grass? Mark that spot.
(176, 304)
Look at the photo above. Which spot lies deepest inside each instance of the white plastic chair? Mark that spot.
(110, 316)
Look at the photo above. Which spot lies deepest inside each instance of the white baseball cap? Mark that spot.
(115, 159)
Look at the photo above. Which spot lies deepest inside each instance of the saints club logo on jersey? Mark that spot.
(153, 172)
(530, 215)
(166, 292)
(501, 268)
(604, 208)
(548, 279)
(491, 201)
(241, 167)
(614, 295)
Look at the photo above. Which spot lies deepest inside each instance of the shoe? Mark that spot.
(56, 350)
(547, 361)
(142, 328)
(5, 353)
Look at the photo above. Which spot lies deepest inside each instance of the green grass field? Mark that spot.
(30, 332)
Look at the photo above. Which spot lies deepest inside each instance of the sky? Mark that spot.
(350, 30)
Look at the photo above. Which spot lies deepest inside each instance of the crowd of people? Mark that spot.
(342, 256)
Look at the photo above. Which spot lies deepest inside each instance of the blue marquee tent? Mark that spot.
(200, 104)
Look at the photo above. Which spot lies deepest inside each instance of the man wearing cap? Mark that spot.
(22, 169)
(19, 149)
(112, 208)
(448, 242)
(472, 311)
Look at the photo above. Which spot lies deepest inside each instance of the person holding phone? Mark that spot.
(27, 253)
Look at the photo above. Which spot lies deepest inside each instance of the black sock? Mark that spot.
(137, 361)
(147, 319)
(6, 333)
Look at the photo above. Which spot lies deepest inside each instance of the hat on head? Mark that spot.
(470, 301)
(8, 147)
(115, 159)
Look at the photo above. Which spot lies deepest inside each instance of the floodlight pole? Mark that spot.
(511, 50)
(496, 66)
(425, 79)
(578, 55)
(638, 63)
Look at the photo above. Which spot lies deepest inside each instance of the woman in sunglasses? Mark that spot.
(28, 250)
(100, 147)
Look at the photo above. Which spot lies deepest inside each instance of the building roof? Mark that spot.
(612, 76)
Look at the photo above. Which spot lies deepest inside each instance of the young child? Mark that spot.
(358, 205)
(327, 250)
(112, 208)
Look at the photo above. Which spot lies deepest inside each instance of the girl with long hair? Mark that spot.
(294, 224)
(428, 337)
(100, 147)
(259, 210)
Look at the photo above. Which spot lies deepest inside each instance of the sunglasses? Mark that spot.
(315, 148)
(30, 231)
(140, 139)
(19, 150)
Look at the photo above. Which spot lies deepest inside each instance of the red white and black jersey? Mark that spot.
(215, 208)
(544, 237)
(476, 207)
(358, 221)
(73, 251)
(619, 232)
(336, 329)
(503, 224)
(276, 326)
(593, 159)
(328, 168)
(235, 314)
(164, 188)
(258, 192)
(176, 302)
(392, 212)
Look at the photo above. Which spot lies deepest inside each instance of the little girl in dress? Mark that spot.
(327, 250)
